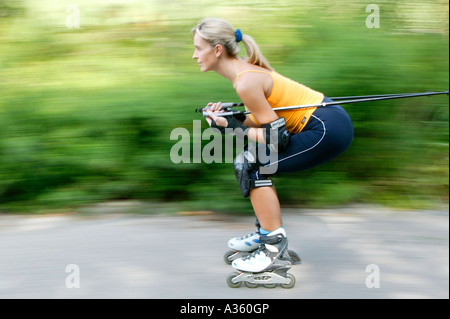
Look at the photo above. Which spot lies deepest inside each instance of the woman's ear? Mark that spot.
(218, 50)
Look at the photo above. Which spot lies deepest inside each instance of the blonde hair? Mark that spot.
(218, 31)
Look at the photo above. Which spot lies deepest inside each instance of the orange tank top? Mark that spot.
(286, 92)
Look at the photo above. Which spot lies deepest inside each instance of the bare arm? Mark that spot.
(250, 89)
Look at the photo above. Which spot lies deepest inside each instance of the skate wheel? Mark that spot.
(227, 256)
(230, 282)
(250, 285)
(270, 286)
(291, 282)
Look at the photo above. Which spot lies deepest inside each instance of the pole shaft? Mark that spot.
(351, 101)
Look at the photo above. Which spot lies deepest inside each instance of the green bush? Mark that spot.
(86, 114)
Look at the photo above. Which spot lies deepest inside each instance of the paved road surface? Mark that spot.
(159, 256)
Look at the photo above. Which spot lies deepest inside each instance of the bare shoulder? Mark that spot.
(252, 92)
(254, 82)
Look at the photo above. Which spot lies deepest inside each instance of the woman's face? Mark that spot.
(204, 54)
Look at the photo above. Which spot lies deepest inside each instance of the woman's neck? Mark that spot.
(230, 68)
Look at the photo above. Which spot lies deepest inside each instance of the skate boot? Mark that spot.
(242, 246)
(268, 265)
(245, 245)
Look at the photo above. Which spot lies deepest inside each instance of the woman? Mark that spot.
(303, 137)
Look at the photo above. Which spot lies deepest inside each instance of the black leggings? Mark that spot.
(328, 133)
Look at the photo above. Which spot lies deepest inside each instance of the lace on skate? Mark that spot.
(248, 236)
(256, 252)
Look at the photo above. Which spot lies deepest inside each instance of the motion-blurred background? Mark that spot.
(86, 112)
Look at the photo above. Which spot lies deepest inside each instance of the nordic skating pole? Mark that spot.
(349, 100)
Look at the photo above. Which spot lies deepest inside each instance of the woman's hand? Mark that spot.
(216, 108)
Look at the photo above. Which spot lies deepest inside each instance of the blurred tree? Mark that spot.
(86, 114)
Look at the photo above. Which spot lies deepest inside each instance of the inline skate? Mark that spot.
(267, 265)
(246, 245)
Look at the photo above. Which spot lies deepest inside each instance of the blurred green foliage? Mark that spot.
(86, 113)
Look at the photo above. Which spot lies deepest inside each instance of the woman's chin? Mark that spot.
(203, 68)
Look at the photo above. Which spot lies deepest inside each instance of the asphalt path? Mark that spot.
(355, 252)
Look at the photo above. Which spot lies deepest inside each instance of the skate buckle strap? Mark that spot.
(271, 239)
(260, 183)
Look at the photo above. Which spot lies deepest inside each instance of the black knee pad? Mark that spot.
(246, 167)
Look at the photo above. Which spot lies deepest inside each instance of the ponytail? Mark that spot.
(218, 31)
(254, 53)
